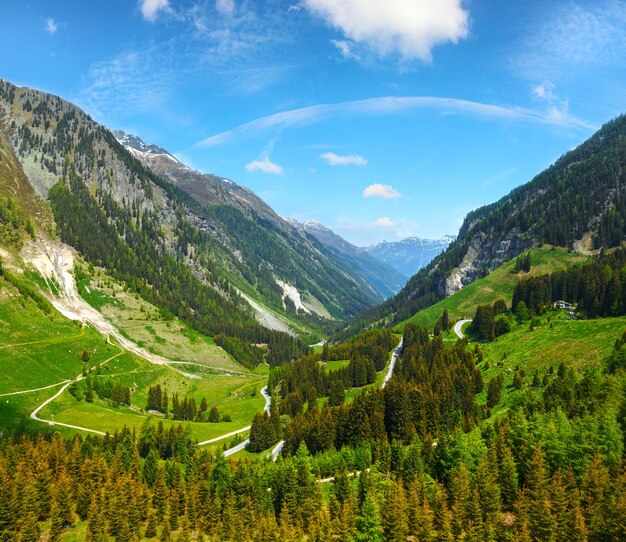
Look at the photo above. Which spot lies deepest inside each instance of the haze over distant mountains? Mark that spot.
(411, 254)
(385, 278)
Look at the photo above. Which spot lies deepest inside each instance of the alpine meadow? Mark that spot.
(326, 270)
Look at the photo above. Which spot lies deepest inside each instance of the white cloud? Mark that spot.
(410, 28)
(265, 165)
(345, 49)
(384, 222)
(386, 106)
(385, 191)
(557, 107)
(225, 7)
(346, 160)
(151, 8)
(51, 26)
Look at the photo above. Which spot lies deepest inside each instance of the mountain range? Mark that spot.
(411, 254)
(198, 246)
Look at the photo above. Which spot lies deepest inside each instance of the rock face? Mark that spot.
(409, 255)
(224, 233)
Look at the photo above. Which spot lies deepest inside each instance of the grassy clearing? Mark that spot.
(238, 396)
(336, 364)
(497, 285)
(577, 343)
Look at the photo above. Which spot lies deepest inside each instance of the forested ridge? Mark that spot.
(218, 242)
(581, 194)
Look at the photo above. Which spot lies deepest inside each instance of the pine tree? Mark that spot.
(394, 521)
(160, 494)
(29, 528)
(368, 528)
(95, 522)
(540, 515)
(151, 524)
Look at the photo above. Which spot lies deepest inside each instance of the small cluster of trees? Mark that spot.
(184, 409)
(597, 288)
(443, 324)
(523, 263)
(104, 388)
(158, 399)
(491, 321)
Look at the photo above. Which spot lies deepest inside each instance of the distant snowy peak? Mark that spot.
(411, 254)
(134, 143)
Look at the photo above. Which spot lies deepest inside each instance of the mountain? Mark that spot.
(578, 203)
(197, 246)
(411, 254)
(383, 277)
(231, 206)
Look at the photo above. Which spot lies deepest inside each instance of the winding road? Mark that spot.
(458, 326)
(394, 358)
(241, 445)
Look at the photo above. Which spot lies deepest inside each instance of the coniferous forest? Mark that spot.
(414, 461)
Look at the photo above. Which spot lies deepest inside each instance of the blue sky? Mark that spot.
(379, 118)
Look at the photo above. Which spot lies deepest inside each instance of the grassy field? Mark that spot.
(38, 350)
(497, 285)
(577, 343)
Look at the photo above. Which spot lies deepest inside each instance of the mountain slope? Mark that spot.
(217, 241)
(383, 277)
(288, 268)
(578, 203)
(409, 255)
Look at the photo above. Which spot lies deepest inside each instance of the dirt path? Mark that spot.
(34, 413)
(35, 389)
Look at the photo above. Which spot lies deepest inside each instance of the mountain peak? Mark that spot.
(136, 145)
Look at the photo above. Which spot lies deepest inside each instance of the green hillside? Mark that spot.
(42, 349)
(497, 285)
(582, 345)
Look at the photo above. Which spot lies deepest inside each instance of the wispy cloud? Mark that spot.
(225, 7)
(386, 106)
(504, 174)
(151, 8)
(231, 50)
(571, 38)
(333, 159)
(265, 165)
(405, 27)
(384, 222)
(385, 191)
(51, 26)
